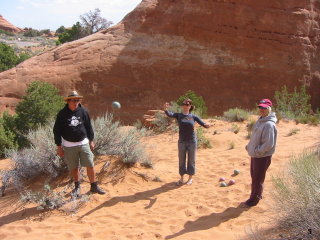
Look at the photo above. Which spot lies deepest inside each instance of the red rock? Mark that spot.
(233, 53)
(7, 26)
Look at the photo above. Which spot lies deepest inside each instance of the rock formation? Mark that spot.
(7, 26)
(233, 53)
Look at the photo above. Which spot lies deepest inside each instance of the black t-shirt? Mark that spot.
(73, 126)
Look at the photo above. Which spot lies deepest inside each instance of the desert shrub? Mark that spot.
(295, 105)
(231, 145)
(203, 141)
(254, 232)
(250, 127)
(293, 131)
(38, 160)
(163, 123)
(130, 148)
(45, 199)
(292, 104)
(236, 115)
(6, 33)
(310, 119)
(198, 101)
(147, 163)
(235, 128)
(110, 139)
(297, 196)
(142, 130)
(45, 31)
(29, 32)
(48, 199)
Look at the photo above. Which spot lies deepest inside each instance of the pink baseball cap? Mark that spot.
(265, 103)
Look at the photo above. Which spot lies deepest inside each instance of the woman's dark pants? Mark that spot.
(184, 148)
(258, 169)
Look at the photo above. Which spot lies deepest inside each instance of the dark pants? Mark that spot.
(185, 147)
(258, 169)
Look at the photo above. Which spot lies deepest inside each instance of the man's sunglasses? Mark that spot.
(74, 100)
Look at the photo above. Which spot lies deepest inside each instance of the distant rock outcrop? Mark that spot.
(7, 26)
(232, 53)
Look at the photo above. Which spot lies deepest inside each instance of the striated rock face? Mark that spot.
(6, 26)
(233, 53)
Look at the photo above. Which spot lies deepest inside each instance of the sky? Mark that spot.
(51, 14)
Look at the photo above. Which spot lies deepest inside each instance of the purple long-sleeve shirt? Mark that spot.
(186, 125)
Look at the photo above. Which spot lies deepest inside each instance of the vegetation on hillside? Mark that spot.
(90, 22)
(9, 58)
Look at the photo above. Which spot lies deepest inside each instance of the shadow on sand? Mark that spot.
(17, 216)
(146, 195)
(210, 221)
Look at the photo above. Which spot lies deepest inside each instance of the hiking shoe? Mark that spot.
(76, 191)
(96, 189)
(252, 202)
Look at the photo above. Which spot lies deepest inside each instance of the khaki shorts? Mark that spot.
(78, 155)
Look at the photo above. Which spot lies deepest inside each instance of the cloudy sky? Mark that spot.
(51, 14)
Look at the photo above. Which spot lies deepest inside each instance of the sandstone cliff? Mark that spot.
(7, 26)
(233, 53)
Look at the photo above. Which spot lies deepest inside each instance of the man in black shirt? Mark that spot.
(73, 135)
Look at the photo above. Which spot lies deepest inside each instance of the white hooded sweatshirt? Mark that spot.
(264, 137)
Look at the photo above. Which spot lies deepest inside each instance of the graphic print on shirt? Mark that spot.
(74, 121)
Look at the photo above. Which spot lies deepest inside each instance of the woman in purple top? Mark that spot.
(187, 143)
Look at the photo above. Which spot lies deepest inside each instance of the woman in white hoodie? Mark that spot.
(260, 148)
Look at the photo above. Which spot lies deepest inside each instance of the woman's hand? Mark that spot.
(166, 106)
(207, 126)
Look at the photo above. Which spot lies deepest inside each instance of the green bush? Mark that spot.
(22, 57)
(6, 33)
(29, 32)
(7, 138)
(236, 115)
(197, 101)
(76, 32)
(203, 142)
(60, 30)
(8, 58)
(294, 104)
(40, 104)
